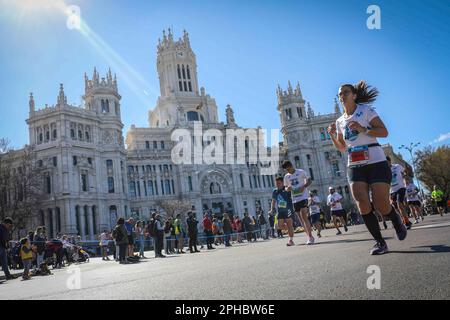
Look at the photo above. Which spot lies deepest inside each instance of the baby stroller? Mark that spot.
(80, 255)
(54, 253)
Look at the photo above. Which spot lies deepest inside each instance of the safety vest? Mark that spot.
(177, 226)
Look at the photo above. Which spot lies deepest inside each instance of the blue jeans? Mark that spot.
(141, 245)
(4, 261)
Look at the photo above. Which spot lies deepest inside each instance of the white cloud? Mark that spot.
(442, 137)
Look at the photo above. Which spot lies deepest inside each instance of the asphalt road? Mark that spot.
(334, 268)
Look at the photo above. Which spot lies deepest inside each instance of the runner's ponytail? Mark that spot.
(364, 92)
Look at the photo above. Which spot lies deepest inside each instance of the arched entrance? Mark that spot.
(216, 193)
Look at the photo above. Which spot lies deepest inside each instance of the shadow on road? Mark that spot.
(434, 249)
(344, 241)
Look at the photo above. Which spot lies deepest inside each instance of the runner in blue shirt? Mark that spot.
(282, 199)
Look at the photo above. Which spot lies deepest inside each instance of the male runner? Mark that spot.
(314, 211)
(437, 195)
(282, 199)
(337, 212)
(398, 191)
(297, 181)
(413, 200)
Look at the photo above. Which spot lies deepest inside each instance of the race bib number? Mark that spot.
(358, 156)
(296, 192)
(282, 204)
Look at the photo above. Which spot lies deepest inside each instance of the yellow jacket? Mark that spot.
(25, 252)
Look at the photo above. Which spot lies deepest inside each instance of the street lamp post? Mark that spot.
(410, 148)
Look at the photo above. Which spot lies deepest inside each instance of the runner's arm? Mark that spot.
(377, 128)
(337, 138)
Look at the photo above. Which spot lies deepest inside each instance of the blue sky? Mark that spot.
(244, 49)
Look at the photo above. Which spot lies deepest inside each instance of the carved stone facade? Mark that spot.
(95, 179)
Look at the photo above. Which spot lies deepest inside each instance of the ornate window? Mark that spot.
(132, 189)
(322, 134)
(192, 116)
(110, 185)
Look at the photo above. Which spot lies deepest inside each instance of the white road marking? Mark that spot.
(444, 224)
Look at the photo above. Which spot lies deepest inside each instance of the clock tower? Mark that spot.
(177, 66)
(181, 101)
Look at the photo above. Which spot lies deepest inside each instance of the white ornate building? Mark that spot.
(91, 178)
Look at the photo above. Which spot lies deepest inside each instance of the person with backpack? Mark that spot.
(120, 235)
(272, 225)
(263, 225)
(179, 233)
(192, 232)
(151, 231)
(248, 227)
(227, 229)
(159, 236)
(39, 243)
(168, 236)
(207, 228)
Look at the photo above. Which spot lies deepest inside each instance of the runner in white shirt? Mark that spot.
(356, 132)
(413, 198)
(337, 212)
(297, 181)
(314, 211)
(398, 191)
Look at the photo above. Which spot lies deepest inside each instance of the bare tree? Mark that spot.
(20, 185)
(172, 207)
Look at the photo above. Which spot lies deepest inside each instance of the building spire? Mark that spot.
(310, 111)
(298, 91)
(95, 76)
(31, 102)
(62, 99)
(230, 116)
(290, 87)
(186, 38)
(109, 76)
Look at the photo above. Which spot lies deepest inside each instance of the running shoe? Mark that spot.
(290, 243)
(310, 241)
(379, 248)
(416, 222)
(319, 235)
(401, 232)
(408, 225)
(339, 232)
(345, 228)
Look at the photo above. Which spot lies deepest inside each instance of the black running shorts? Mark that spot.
(300, 205)
(338, 213)
(370, 173)
(414, 203)
(398, 196)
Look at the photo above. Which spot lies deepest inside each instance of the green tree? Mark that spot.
(433, 168)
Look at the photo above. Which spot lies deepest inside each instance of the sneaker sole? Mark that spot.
(378, 253)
